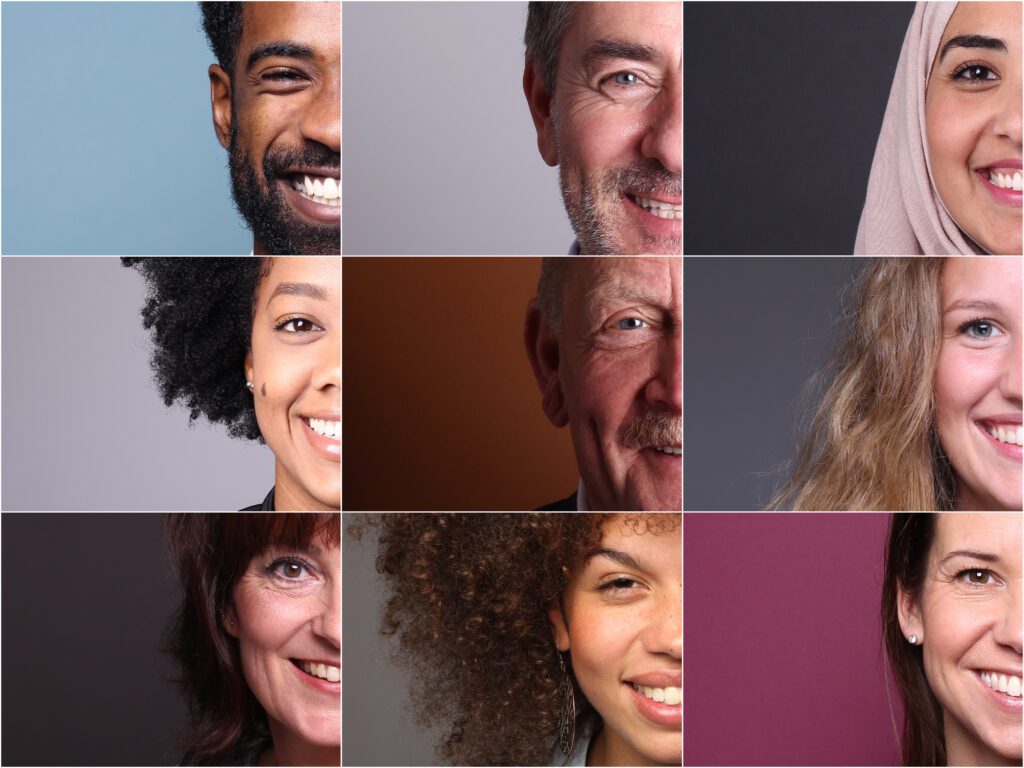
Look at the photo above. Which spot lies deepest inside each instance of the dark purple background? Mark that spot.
(783, 658)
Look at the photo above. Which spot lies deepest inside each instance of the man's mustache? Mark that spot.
(650, 178)
(279, 162)
(654, 428)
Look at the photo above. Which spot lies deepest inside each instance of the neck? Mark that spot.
(965, 748)
(290, 496)
(289, 749)
(609, 748)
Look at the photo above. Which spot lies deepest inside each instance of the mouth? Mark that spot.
(328, 672)
(322, 190)
(325, 427)
(658, 704)
(324, 435)
(658, 208)
(670, 695)
(1003, 181)
(1005, 437)
(669, 450)
(1001, 683)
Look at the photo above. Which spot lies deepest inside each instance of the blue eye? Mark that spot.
(630, 324)
(980, 329)
(625, 78)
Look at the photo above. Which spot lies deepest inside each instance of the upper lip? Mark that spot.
(1015, 673)
(323, 416)
(658, 679)
(325, 662)
(673, 200)
(1010, 162)
(334, 173)
(1014, 417)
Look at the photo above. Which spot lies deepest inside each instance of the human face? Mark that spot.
(621, 620)
(280, 118)
(621, 373)
(973, 123)
(968, 619)
(295, 368)
(978, 380)
(286, 615)
(614, 126)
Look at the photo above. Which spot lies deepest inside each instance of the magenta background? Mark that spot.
(782, 653)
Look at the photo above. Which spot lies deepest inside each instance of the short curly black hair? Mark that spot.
(222, 23)
(199, 310)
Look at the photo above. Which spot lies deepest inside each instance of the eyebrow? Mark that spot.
(309, 290)
(972, 41)
(617, 49)
(620, 557)
(976, 304)
(279, 48)
(970, 553)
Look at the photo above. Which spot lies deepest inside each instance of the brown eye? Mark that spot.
(976, 576)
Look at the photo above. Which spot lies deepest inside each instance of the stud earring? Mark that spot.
(912, 639)
(249, 385)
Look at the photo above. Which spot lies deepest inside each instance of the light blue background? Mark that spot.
(108, 143)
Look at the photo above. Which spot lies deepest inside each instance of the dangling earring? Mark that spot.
(567, 710)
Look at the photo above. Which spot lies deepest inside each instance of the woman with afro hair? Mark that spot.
(540, 639)
(254, 343)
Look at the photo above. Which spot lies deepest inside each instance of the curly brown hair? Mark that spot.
(469, 596)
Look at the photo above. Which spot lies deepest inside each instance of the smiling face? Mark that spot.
(967, 619)
(621, 620)
(973, 123)
(295, 368)
(279, 116)
(614, 125)
(978, 380)
(287, 618)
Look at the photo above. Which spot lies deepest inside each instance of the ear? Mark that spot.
(909, 614)
(220, 100)
(230, 621)
(560, 627)
(542, 349)
(249, 371)
(539, 99)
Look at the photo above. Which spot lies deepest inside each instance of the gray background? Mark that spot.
(84, 427)
(440, 154)
(755, 331)
(86, 598)
(377, 719)
(110, 104)
(783, 106)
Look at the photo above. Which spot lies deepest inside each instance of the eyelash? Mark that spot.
(280, 327)
(281, 74)
(614, 586)
(956, 73)
(272, 569)
(624, 319)
(975, 323)
(967, 572)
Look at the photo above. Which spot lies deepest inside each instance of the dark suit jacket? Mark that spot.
(266, 506)
(565, 505)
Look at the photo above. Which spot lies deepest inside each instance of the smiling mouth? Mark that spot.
(326, 672)
(1008, 434)
(324, 190)
(1006, 180)
(658, 208)
(671, 450)
(670, 696)
(325, 428)
(1008, 684)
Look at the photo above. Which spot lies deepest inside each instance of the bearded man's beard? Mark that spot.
(277, 227)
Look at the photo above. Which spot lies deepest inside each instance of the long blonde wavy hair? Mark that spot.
(871, 443)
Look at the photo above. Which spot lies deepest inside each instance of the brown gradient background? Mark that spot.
(440, 408)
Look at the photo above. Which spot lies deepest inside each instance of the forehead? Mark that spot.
(324, 271)
(979, 275)
(995, 533)
(658, 25)
(655, 277)
(1001, 20)
(317, 25)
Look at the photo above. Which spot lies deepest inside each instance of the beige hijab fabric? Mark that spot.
(903, 215)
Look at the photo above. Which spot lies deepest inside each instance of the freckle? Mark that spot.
(263, 389)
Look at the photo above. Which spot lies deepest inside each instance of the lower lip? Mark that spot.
(329, 214)
(671, 459)
(1003, 449)
(650, 222)
(318, 682)
(659, 714)
(1004, 196)
(327, 447)
(1011, 704)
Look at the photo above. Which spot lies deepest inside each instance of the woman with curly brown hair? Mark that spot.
(922, 409)
(541, 639)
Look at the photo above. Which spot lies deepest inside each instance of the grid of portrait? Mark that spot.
(193, 571)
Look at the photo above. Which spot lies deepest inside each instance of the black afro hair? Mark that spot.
(222, 23)
(199, 311)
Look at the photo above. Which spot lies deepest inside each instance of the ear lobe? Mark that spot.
(220, 102)
(909, 614)
(542, 350)
(230, 622)
(248, 367)
(539, 99)
(561, 629)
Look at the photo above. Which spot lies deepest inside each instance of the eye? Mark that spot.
(978, 577)
(625, 78)
(620, 586)
(980, 329)
(974, 73)
(630, 324)
(289, 568)
(281, 74)
(298, 325)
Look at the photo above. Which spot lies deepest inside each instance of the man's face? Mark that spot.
(280, 119)
(620, 370)
(615, 126)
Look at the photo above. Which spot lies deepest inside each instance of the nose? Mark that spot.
(321, 122)
(663, 140)
(1007, 630)
(328, 624)
(1011, 384)
(664, 631)
(665, 389)
(1008, 117)
(328, 369)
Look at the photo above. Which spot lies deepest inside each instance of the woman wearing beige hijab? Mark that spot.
(946, 177)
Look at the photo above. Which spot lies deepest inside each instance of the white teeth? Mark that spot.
(668, 695)
(659, 208)
(324, 190)
(1005, 181)
(330, 188)
(323, 671)
(325, 428)
(309, 185)
(669, 450)
(1008, 684)
(1008, 435)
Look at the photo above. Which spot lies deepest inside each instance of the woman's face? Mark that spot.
(973, 122)
(622, 624)
(295, 368)
(287, 618)
(978, 380)
(968, 621)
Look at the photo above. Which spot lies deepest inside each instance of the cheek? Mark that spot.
(951, 136)
(280, 377)
(609, 385)
(961, 382)
(600, 638)
(599, 137)
(267, 622)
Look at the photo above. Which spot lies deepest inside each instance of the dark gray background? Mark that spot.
(84, 427)
(377, 717)
(783, 103)
(440, 153)
(86, 598)
(755, 331)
